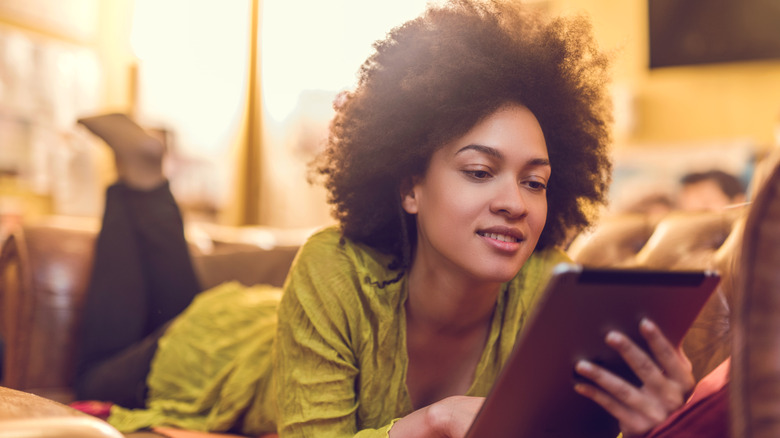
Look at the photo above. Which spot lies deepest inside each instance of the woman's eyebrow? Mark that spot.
(540, 162)
(495, 153)
(487, 150)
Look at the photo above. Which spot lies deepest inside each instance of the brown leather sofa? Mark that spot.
(44, 269)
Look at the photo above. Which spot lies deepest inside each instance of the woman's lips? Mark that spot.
(504, 240)
(498, 236)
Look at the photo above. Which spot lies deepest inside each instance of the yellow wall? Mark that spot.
(682, 104)
(679, 104)
(722, 101)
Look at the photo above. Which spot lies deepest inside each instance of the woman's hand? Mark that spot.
(448, 418)
(666, 381)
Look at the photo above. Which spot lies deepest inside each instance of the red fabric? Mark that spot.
(98, 409)
(705, 414)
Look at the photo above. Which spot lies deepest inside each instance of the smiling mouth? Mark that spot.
(501, 237)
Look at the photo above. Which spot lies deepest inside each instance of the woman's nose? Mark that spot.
(509, 201)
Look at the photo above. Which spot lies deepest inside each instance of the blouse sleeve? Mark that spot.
(316, 365)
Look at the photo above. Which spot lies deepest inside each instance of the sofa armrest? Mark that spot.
(43, 273)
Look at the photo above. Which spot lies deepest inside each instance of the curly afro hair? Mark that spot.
(434, 78)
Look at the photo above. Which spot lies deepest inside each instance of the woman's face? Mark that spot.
(482, 202)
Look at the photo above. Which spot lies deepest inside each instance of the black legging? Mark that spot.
(142, 278)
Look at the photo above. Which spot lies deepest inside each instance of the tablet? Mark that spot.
(534, 394)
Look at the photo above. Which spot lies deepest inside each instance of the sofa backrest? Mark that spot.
(44, 269)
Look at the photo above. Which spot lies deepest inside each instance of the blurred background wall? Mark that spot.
(242, 89)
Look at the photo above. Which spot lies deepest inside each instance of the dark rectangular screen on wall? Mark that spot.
(691, 32)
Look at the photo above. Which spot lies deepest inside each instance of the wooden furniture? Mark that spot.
(24, 415)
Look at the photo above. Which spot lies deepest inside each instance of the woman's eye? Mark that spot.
(537, 185)
(478, 174)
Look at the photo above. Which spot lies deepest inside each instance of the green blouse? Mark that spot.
(341, 343)
(337, 367)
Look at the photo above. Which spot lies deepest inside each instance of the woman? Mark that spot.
(476, 138)
(475, 142)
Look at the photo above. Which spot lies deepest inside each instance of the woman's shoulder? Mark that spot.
(331, 251)
(342, 282)
(328, 235)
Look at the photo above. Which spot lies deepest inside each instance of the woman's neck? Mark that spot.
(448, 320)
(441, 301)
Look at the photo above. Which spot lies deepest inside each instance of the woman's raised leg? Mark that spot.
(142, 275)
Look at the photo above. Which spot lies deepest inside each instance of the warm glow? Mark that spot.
(193, 68)
(319, 45)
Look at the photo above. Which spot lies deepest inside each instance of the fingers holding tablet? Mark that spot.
(673, 361)
(614, 394)
(621, 399)
(664, 372)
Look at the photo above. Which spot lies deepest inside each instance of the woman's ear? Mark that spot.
(408, 198)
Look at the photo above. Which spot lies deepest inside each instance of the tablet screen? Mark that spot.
(534, 395)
